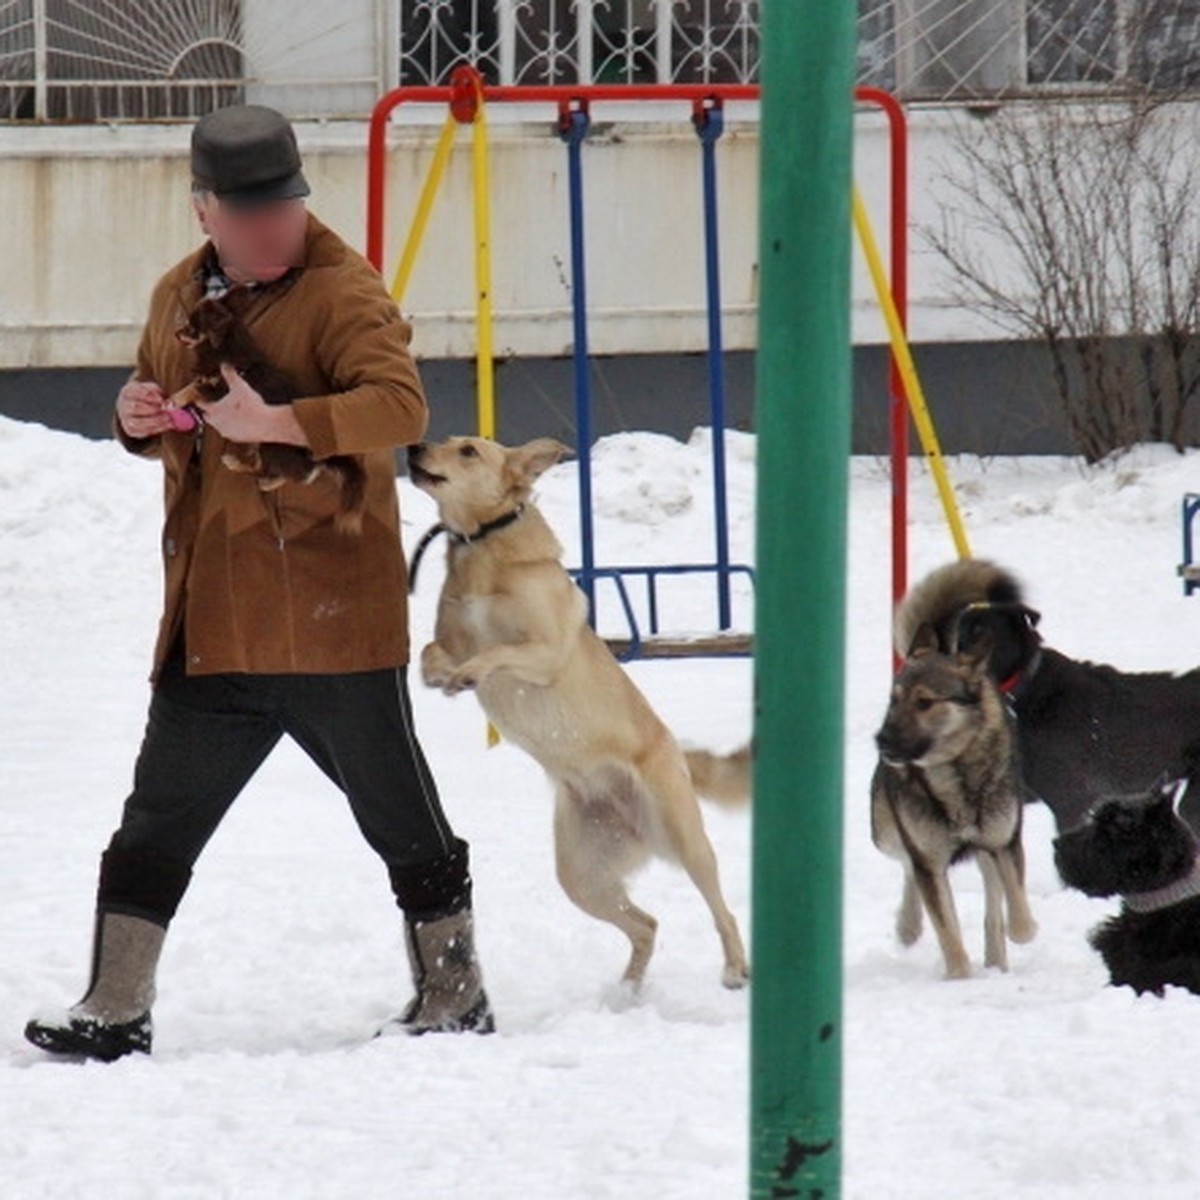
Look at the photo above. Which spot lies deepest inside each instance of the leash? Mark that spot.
(462, 539)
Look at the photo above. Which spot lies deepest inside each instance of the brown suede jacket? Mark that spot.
(259, 581)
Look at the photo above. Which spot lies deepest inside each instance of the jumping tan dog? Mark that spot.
(513, 626)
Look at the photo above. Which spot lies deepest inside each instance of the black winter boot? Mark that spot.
(113, 1018)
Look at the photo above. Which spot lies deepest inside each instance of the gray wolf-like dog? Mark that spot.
(1084, 731)
(945, 789)
(512, 626)
(1140, 849)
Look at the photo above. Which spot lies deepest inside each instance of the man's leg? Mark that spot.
(359, 729)
(204, 739)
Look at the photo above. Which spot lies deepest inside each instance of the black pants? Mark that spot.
(207, 735)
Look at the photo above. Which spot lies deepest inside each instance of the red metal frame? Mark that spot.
(696, 94)
(898, 412)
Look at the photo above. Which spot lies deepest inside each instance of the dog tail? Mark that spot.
(938, 599)
(725, 778)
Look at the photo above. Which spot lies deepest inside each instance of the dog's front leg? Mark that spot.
(537, 663)
(437, 667)
(935, 891)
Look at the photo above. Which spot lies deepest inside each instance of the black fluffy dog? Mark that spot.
(1141, 850)
(1084, 731)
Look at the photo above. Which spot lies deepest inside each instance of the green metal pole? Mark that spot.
(803, 422)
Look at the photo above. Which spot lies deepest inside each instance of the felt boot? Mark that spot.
(113, 1018)
(450, 996)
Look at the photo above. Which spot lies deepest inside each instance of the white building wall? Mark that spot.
(95, 214)
(295, 51)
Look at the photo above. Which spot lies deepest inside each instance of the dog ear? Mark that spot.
(977, 654)
(529, 461)
(218, 321)
(1172, 791)
(925, 641)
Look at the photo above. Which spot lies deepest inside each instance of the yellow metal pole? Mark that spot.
(485, 382)
(437, 169)
(908, 374)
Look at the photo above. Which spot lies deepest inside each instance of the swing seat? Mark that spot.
(701, 645)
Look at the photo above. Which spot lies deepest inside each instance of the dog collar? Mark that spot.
(1017, 684)
(463, 539)
(1164, 897)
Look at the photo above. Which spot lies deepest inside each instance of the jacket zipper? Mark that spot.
(275, 508)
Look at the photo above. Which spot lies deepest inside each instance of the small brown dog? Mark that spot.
(217, 335)
(512, 627)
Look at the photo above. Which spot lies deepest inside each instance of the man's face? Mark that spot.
(258, 244)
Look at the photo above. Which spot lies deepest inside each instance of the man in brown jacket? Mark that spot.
(274, 622)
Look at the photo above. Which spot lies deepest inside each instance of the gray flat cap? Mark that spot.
(247, 155)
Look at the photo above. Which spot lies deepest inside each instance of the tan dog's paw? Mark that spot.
(237, 464)
(436, 666)
(464, 679)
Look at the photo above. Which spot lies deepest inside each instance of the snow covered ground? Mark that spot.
(1043, 1082)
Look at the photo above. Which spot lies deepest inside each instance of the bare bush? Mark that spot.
(1077, 225)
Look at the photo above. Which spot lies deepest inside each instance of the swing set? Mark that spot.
(467, 98)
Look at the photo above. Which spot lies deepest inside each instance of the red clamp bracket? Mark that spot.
(466, 88)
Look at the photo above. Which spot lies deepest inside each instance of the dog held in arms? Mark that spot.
(1140, 849)
(216, 333)
(1084, 731)
(512, 626)
(945, 789)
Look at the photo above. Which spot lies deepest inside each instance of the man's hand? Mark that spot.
(141, 410)
(242, 415)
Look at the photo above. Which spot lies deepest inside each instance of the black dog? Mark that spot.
(1140, 849)
(1084, 731)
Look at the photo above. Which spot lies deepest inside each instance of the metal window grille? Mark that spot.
(86, 60)
(979, 49)
(140, 60)
(580, 41)
(91, 60)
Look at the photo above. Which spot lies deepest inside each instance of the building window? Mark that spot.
(102, 60)
(964, 50)
(113, 60)
(17, 61)
(543, 42)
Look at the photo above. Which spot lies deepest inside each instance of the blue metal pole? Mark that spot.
(573, 129)
(709, 119)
